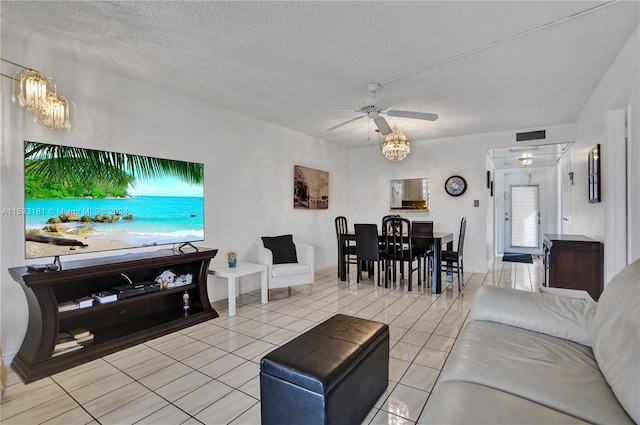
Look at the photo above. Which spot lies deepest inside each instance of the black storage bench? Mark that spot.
(331, 374)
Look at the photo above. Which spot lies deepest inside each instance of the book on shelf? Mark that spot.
(85, 302)
(79, 332)
(68, 305)
(85, 338)
(64, 340)
(105, 296)
(66, 350)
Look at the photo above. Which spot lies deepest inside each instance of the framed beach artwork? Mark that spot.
(310, 188)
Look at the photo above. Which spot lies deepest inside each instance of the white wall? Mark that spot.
(248, 166)
(437, 159)
(619, 87)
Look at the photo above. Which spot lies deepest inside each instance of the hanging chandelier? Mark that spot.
(395, 146)
(38, 94)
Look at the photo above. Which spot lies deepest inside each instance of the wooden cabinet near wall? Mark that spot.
(574, 262)
(115, 325)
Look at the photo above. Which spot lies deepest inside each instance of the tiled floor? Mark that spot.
(208, 373)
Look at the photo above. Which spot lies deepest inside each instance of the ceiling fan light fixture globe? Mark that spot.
(395, 146)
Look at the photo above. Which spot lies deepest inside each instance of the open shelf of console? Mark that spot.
(115, 325)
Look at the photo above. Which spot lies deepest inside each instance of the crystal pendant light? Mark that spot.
(395, 146)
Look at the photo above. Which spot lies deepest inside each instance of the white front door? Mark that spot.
(524, 212)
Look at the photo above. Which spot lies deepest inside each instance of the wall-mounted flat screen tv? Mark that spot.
(80, 200)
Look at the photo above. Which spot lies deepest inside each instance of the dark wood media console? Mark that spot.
(116, 325)
(574, 262)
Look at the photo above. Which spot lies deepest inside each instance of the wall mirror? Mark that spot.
(410, 194)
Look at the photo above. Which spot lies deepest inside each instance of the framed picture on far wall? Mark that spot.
(595, 184)
(310, 188)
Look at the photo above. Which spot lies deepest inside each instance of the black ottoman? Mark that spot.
(331, 374)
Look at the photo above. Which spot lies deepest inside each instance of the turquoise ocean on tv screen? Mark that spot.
(156, 219)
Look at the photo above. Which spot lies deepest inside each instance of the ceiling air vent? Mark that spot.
(531, 135)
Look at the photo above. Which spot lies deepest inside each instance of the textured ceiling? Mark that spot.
(482, 66)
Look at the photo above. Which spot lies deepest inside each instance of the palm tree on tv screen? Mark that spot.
(70, 165)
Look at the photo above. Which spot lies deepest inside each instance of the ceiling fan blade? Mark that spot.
(345, 123)
(412, 114)
(382, 125)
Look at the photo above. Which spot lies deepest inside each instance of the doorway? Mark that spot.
(523, 227)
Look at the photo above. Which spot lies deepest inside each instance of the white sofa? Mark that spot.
(535, 358)
(288, 274)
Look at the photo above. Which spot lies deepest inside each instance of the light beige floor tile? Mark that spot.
(41, 412)
(135, 410)
(30, 400)
(183, 385)
(202, 397)
(252, 387)
(227, 408)
(438, 342)
(250, 417)
(96, 374)
(254, 349)
(74, 416)
(221, 365)
(189, 350)
(115, 399)
(15, 387)
(420, 377)
(406, 402)
(404, 351)
(165, 375)
(152, 365)
(397, 368)
(431, 357)
(169, 414)
(415, 337)
(240, 375)
(385, 418)
(202, 358)
(99, 388)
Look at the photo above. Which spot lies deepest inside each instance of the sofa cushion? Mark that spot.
(549, 371)
(282, 248)
(458, 403)
(616, 337)
(290, 269)
(567, 318)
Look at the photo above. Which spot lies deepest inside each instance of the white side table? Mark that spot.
(241, 269)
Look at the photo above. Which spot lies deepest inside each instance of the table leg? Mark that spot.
(342, 267)
(232, 295)
(264, 290)
(436, 285)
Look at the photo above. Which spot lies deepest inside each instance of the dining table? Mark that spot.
(436, 240)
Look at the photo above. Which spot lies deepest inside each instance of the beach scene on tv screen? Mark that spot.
(82, 200)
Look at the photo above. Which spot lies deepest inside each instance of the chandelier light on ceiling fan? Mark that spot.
(395, 146)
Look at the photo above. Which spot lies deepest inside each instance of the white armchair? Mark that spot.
(286, 275)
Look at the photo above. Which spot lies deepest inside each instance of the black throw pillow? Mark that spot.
(282, 248)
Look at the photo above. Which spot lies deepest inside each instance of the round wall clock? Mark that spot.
(455, 185)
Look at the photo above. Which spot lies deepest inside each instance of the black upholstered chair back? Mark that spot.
(367, 246)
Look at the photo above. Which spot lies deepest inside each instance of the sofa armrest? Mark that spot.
(562, 317)
(567, 293)
(265, 256)
(305, 254)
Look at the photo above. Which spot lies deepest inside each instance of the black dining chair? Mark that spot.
(348, 248)
(367, 249)
(452, 261)
(396, 235)
(421, 240)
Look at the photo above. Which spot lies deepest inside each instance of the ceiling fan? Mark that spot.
(372, 108)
